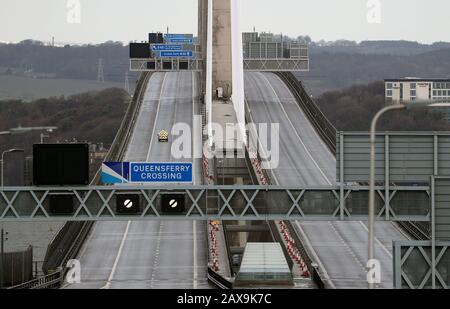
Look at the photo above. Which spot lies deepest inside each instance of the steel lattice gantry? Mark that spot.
(94, 203)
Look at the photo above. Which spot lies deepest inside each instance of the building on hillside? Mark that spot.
(418, 89)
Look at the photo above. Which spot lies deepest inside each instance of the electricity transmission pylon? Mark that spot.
(100, 72)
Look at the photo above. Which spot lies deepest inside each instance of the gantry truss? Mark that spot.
(94, 203)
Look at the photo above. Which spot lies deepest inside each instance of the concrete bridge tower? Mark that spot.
(221, 42)
(221, 47)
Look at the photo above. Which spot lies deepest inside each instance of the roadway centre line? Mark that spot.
(377, 240)
(194, 231)
(349, 250)
(156, 117)
(157, 249)
(314, 253)
(303, 113)
(116, 262)
(296, 133)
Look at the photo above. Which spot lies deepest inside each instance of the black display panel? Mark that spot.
(167, 65)
(140, 50)
(184, 65)
(61, 204)
(60, 164)
(128, 204)
(155, 38)
(172, 202)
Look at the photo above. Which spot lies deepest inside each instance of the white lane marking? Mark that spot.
(156, 117)
(295, 131)
(119, 253)
(314, 129)
(349, 250)
(157, 250)
(194, 231)
(261, 148)
(377, 240)
(83, 251)
(314, 253)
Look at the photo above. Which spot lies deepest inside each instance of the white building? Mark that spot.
(412, 89)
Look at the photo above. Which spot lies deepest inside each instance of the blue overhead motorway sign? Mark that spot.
(174, 54)
(139, 172)
(161, 172)
(160, 47)
(180, 41)
(174, 36)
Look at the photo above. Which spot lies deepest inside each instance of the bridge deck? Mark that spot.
(304, 159)
(152, 254)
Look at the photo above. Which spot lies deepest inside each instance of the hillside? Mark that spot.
(71, 62)
(352, 109)
(331, 71)
(92, 117)
(333, 66)
(29, 89)
(399, 48)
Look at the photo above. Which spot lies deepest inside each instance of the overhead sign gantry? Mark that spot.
(96, 203)
(166, 52)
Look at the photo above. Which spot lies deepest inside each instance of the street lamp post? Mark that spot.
(402, 105)
(3, 162)
(372, 177)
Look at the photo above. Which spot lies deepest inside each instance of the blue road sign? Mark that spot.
(180, 41)
(174, 54)
(161, 172)
(160, 47)
(174, 36)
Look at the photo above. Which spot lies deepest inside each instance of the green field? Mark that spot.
(28, 89)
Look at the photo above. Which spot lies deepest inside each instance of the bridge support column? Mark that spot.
(221, 46)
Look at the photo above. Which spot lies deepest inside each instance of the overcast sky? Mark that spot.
(119, 20)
